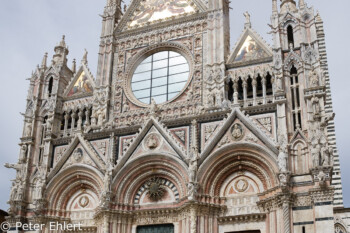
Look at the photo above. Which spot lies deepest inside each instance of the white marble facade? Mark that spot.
(179, 132)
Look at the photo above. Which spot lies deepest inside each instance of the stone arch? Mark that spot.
(67, 183)
(130, 179)
(235, 158)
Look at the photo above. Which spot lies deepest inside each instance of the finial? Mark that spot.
(74, 66)
(301, 4)
(84, 60)
(63, 42)
(247, 20)
(44, 62)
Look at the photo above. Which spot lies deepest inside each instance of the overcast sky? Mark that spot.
(29, 28)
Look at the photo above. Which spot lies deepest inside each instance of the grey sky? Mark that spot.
(29, 28)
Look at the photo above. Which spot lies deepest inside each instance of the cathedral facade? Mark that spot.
(179, 134)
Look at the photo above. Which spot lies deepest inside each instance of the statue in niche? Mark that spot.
(237, 131)
(13, 191)
(326, 155)
(315, 154)
(28, 129)
(314, 79)
(23, 155)
(315, 101)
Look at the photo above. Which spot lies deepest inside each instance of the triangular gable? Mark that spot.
(298, 135)
(145, 12)
(250, 48)
(220, 135)
(86, 147)
(81, 85)
(163, 132)
(153, 142)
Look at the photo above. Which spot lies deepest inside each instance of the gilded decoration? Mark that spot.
(81, 86)
(250, 50)
(153, 10)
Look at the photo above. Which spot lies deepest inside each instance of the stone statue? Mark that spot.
(153, 107)
(326, 155)
(315, 154)
(193, 170)
(314, 79)
(28, 130)
(316, 106)
(108, 176)
(13, 191)
(282, 158)
(237, 132)
(192, 190)
(247, 17)
(23, 154)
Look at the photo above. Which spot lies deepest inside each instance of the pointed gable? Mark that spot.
(144, 12)
(235, 128)
(250, 49)
(81, 85)
(78, 151)
(153, 137)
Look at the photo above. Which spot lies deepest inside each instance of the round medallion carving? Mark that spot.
(84, 201)
(237, 132)
(241, 185)
(152, 142)
(78, 154)
(155, 189)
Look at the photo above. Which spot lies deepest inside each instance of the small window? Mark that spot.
(290, 34)
(50, 86)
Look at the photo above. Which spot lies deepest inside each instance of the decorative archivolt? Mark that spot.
(72, 179)
(214, 171)
(127, 181)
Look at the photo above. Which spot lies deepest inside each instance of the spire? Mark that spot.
(274, 6)
(61, 52)
(247, 23)
(318, 17)
(74, 66)
(84, 59)
(44, 61)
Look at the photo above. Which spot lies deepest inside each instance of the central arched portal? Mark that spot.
(164, 228)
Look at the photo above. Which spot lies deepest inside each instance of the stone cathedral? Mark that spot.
(179, 133)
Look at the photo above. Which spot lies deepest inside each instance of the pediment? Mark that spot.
(250, 48)
(146, 12)
(152, 138)
(238, 128)
(78, 151)
(81, 85)
(153, 143)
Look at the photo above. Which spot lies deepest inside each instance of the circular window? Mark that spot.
(160, 76)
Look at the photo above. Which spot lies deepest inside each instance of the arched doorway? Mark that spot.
(164, 228)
